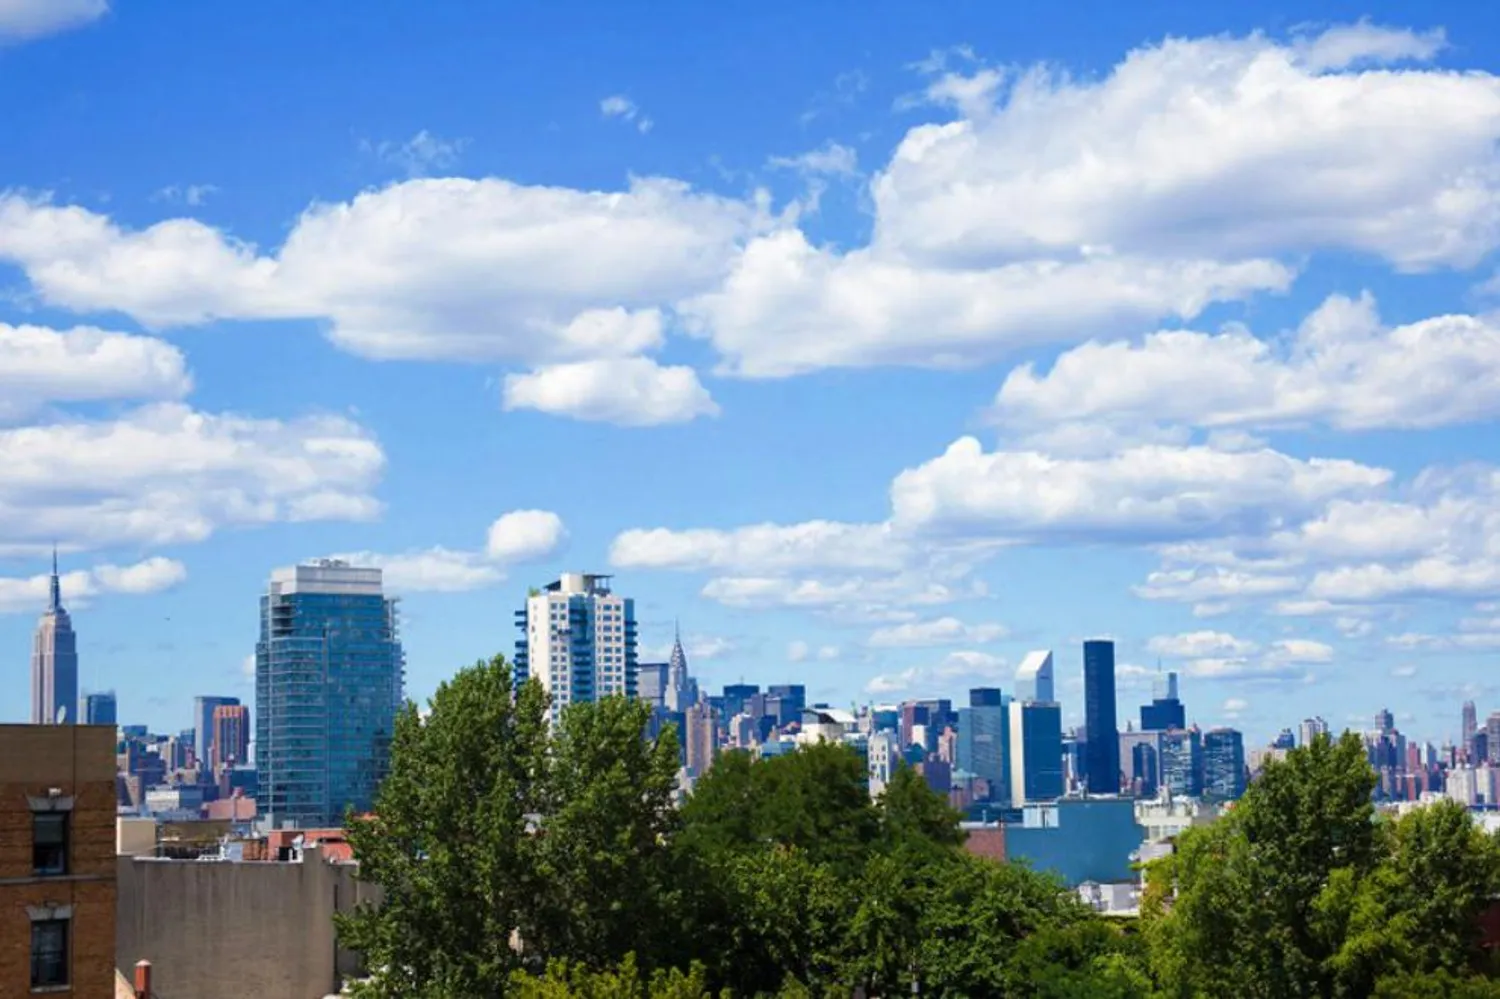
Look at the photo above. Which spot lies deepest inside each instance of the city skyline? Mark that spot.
(879, 354)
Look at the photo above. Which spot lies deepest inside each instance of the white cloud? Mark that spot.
(696, 647)
(29, 595)
(524, 536)
(1300, 650)
(419, 156)
(1342, 368)
(40, 365)
(762, 548)
(831, 159)
(449, 268)
(24, 19)
(1148, 493)
(788, 307)
(1347, 45)
(515, 537)
(1234, 707)
(797, 651)
(953, 672)
(1425, 577)
(1211, 584)
(938, 631)
(167, 474)
(622, 107)
(1198, 644)
(630, 391)
(1232, 147)
(431, 570)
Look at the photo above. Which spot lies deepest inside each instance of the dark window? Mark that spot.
(49, 953)
(49, 839)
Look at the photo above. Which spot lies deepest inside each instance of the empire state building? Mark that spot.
(54, 663)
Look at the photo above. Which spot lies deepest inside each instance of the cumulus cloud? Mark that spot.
(39, 365)
(166, 474)
(629, 391)
(513, 538)
(1199, 644)
(1277, 130)
(1342, 368)
(437, 268)
(524, 536)
(21, 20)
(954, 671)
(1139, 494)
(938, 631)
(29, 594)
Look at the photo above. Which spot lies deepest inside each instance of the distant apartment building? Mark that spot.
(702, 738)
(230, 744)
(57, 860)
(578, 638)
(1223, 764)
(328, 686)
(203, 727)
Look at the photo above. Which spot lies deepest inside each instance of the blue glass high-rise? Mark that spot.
(328, 686)
(101, 708)
(1101, 754)
(984, 740)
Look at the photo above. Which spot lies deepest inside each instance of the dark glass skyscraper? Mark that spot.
(1165, 710)
(328, 685)
(1102, 751)
(1223, 764)
(101, 709)
(54, 662)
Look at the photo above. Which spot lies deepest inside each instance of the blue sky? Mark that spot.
(878, 343)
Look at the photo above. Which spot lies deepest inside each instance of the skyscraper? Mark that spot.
(682, 689)
(651, 683)
(1036, 752)
(230, 744)
(1310, 729)
(1223, 764)
(328, 685)
(1102, 752)
(702, 738)
(1181, 762)
(578, 639)
(1470, 727)
(1165, 710)
(984, 741)
(54, 662)
(1034, 677)
(101, 708)
(204, 707)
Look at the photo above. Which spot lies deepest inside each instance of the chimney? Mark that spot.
(143, 980)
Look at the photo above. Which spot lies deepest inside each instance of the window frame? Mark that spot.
(62, 961)
(63, 867)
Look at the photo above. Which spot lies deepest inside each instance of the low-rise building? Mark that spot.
(57, 860)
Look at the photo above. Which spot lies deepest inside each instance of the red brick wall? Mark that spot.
(987, 842)
(79, 761)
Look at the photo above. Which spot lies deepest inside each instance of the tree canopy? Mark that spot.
(521, 861)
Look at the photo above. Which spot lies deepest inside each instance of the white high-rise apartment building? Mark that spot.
(578, 641)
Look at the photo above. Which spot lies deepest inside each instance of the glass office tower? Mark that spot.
(328, 685)
(1101, 754)
(101, 708)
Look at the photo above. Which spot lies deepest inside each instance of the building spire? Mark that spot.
(55, 603)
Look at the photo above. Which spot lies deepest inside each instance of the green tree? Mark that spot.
(1418, 911)
(562, 980)
(602, 866)
(448, 841)
(912, 815)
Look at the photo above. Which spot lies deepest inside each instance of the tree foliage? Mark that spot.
(518, 861)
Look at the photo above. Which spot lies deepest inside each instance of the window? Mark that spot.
(49, 843)
(49, 953)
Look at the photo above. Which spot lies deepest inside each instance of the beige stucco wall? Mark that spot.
(226, 930)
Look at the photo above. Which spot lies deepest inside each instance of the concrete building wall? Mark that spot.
(71, 768)
(226, 930)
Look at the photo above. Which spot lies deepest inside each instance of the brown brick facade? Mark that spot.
(59, 763)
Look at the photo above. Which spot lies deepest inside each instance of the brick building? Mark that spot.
(57, 860)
